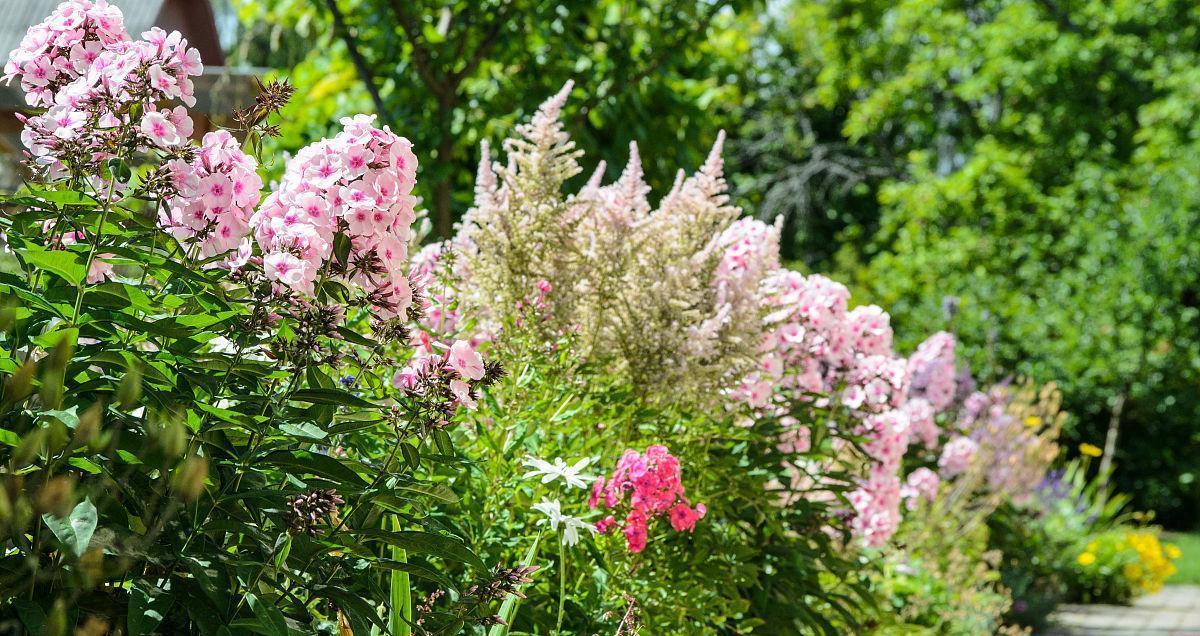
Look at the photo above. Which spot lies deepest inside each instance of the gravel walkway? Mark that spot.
(1175, 611)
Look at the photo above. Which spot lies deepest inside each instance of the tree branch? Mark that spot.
(421, 60)
(360, 63)
(489, 42)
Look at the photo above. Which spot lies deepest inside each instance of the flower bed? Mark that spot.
(227, 410)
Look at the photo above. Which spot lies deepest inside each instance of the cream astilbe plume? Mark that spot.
(635, 284)
(513, 236)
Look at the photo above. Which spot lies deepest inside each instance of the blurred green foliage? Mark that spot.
(449, 74)
(1037, 165)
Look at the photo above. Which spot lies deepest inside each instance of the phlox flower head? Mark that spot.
(357, 184)
(957, 456)
(931, 371)
(645, 486)
(921, 483)
(215, 196)
(876, 504)
(104, 93)
(63, 47)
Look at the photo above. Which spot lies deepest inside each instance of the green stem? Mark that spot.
(82, 289)
(562, 588)
(400, 619)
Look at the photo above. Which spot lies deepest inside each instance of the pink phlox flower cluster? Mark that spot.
(931, 371)
(921, 483)
(647, 485)
(99, 270)
(876, 504)
(751, 251)
(215, 195)
(358, 183)
(957, 456)
(870, 330)
(97, 84)
(875, 383)
(922, 422)
(62, 47)
(886, 436)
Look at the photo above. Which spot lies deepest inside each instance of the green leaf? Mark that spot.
(441, 492)
(70, 266)
(67, 417)
(268, 615)
(147, 607)
(331, 396)
(400, 592)
(32, 616)
(306, 462)
(9, 438)
(303, 429)
(75, 531)
(85, 465)
(428, 543)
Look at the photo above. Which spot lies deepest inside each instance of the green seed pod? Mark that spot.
(130, 390)
(20, 384)
(88, 430)
(56, 496)
(190, 478)
(172, 438)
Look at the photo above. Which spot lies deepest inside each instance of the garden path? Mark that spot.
(1175, 611)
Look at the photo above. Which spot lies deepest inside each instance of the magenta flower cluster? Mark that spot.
(360, 183)
(645, 486)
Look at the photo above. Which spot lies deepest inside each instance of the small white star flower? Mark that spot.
(554, 516)
(559, 470)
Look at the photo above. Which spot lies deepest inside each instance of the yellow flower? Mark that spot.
(1086, 558)
(1090, 451)
(1033, 421)
(1173, 551)
(1133, 571)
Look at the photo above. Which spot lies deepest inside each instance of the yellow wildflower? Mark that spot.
(1090, 450)
(1086, 558)
(1173, 551)
(1033, 421)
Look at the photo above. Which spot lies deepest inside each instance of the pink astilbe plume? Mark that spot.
(636, 285)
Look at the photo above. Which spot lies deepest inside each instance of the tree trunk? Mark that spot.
(1110, 440)
(443, 214)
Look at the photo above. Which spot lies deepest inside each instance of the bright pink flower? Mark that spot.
(647, 485)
